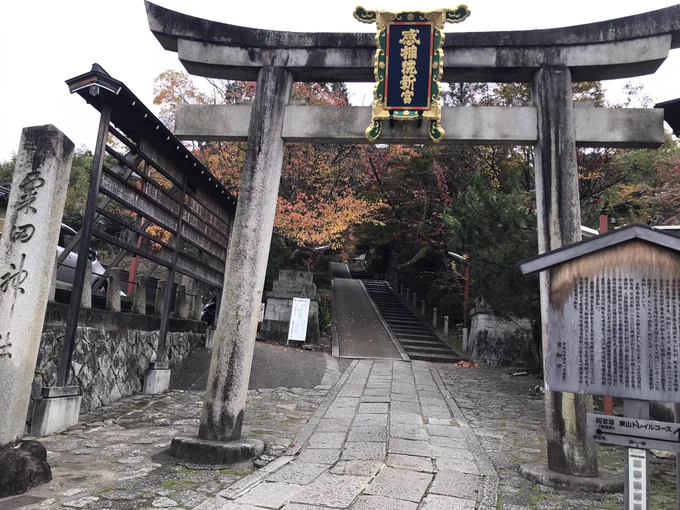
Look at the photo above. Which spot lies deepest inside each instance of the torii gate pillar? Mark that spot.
(219, 435)
(558, 212)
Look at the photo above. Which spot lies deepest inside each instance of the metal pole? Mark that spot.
(170, 284)
(80, 278)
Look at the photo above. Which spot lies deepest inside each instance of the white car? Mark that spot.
(66, 270)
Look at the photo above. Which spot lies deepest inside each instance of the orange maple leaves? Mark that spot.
(318, 204)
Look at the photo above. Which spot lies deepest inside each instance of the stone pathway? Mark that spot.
(389, 437)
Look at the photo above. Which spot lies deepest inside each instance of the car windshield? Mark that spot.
(66, 235)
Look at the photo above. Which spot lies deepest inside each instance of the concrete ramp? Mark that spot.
(361, 334)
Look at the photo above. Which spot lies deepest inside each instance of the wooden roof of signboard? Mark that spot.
(598, 243)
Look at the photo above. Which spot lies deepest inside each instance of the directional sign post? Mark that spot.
(638, 435)
(634, 433)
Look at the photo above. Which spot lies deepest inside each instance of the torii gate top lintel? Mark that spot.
(619, 48)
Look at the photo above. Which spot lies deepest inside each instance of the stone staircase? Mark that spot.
(419, 342)
(358, 272)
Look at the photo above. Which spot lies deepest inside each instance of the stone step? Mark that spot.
(416, 343)
(415, 333)
(434, 349)
(408, 329)
(440, 358)
(404, 315)
(417, 336)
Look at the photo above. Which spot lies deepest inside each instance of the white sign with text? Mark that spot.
(299, 315)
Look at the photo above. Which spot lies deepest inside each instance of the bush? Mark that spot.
(322, 280)
(325, 303)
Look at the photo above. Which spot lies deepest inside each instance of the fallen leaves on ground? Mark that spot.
(466, 364)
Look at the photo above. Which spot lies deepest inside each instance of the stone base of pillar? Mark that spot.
(605, 482)
(157, 380)
(201, 451)
(210, 338)
(57, 409)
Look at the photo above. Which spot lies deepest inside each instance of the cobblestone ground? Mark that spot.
(506, 414)
(114, 459)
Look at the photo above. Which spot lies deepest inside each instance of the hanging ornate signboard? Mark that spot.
(409, 62)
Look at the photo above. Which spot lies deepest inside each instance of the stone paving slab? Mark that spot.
(269, 494)
(410, 462)
(298, 472)
(332, 490)
(400, 484)
(382, 503)
(436, 502)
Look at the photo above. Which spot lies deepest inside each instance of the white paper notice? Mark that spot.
(298, 320)
(261, 316)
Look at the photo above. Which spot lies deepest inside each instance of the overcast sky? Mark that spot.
(44, 42)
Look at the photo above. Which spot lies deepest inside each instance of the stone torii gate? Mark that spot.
(549, 59)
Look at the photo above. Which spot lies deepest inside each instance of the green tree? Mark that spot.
(497, 229)
(7, 169)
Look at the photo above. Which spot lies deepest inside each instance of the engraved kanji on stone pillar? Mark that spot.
(27, 248)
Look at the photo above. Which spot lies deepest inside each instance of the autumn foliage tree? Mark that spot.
(318, 203)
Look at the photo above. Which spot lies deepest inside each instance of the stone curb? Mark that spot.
(245, 484)
(491, 481)
(390, 333)
(311, 425)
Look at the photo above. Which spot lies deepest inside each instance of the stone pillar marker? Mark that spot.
(160, 297)
(227, 388)
(446, 325)
(86, 298)
(113, 290)
(28, 244)
(183, 304)
(139, 298)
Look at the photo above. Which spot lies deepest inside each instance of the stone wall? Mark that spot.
(499, 341)
(113, 351)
